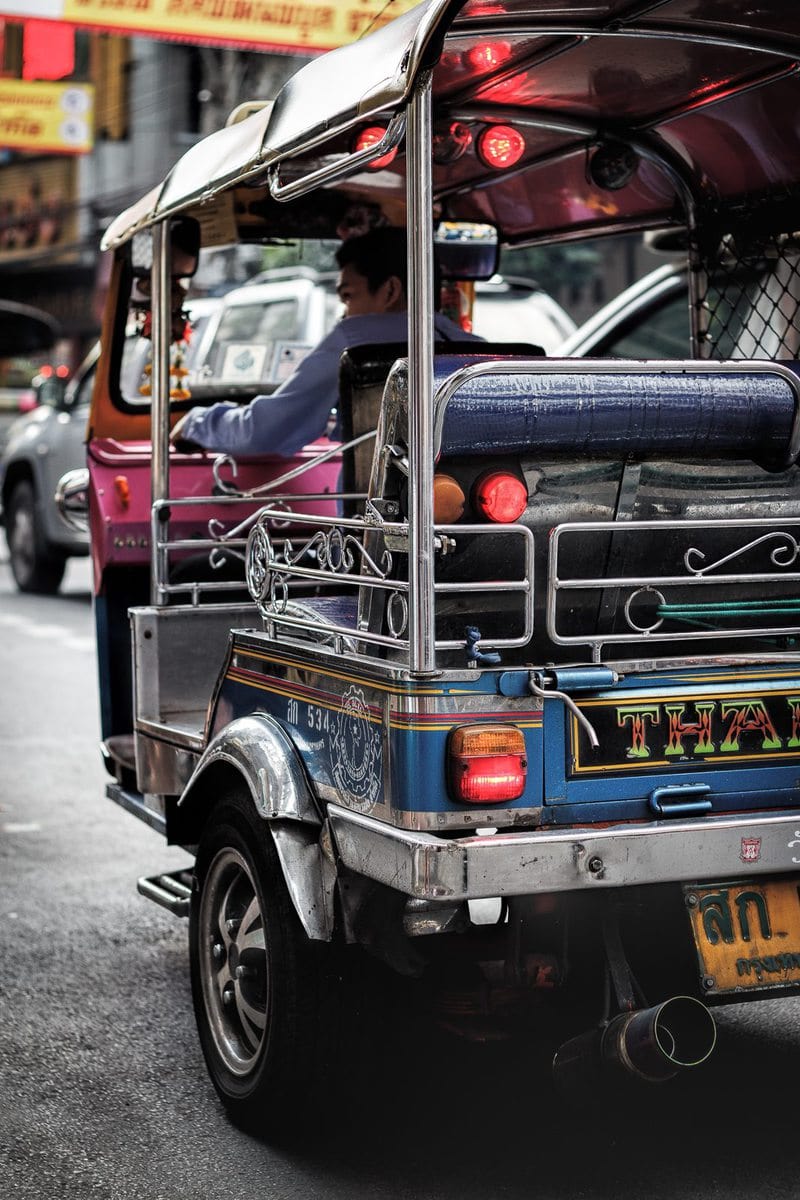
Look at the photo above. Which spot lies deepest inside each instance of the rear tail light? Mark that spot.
(500, 146)
(486, 764)
(500, 496)
(370, 137)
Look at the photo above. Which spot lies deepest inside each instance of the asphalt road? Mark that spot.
(103, 1093)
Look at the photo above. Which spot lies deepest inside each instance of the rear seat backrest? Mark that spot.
(363, 373)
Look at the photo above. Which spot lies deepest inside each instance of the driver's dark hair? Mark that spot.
(381, 253)
(377, 255)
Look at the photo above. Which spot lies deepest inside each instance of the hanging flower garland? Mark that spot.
(177, 364)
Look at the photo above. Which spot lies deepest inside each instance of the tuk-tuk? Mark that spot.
(502, 687)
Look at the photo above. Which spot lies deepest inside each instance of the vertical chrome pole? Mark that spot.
(161, 302)
(698, 289)
(419, 192)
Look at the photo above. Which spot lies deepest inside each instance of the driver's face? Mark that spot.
(353, 291)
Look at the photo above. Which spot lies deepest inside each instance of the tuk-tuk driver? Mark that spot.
(372, 288)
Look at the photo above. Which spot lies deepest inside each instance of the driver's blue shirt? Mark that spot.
(298, 411)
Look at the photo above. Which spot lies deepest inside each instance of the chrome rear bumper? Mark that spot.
(556, 860)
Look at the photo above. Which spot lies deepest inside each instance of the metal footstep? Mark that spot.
(172, 891)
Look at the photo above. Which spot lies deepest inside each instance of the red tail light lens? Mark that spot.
(500, 496)
(500, 146)
(370, 137)
(486, 764)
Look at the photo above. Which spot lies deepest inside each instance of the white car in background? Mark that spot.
(42, 446)
(265, 327)
(511, 309)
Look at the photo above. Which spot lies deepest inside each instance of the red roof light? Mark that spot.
(371, 136)
(488, 56)
(500, 146)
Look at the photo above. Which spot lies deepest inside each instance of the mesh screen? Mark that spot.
(747, 281)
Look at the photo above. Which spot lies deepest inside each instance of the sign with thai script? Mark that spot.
(51, 118)
(296, 25)
(639, 733)
(747, 935)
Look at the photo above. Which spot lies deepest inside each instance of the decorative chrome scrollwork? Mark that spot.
(636, 597)
(258, 559)
(224, 485)
(336, 553)
(332, 552)
(397, 614)
(281, 506)
(783, 555)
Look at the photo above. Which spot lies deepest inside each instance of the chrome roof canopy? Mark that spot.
(325, 98)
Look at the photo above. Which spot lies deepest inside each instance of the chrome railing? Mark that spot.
(335, 554)
(703, 580)
(283, 552)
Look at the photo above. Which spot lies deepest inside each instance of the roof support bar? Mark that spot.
(161, 301)
(420, 375)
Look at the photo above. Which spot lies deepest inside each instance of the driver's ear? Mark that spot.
(394, 293)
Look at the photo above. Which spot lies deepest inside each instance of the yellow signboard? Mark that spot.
(49, 118)
(299, 25)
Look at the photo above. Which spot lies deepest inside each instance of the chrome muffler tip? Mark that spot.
(651, 1044)
(656, 1043)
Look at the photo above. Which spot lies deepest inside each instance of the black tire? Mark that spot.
(266, 999)
(36, 567)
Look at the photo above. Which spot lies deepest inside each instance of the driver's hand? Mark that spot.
(175, 435)
(181, 443)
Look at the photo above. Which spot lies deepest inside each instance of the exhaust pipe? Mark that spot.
(652, 1044)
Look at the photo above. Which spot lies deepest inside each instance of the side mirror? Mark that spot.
(184, 246)
(72, 499)
(466, 249)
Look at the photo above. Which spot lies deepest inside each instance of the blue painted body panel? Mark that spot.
(378, 743)
(759, 770)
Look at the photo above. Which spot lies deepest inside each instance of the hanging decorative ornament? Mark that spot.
(177, 365)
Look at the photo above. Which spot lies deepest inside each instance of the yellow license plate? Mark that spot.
(747, 934)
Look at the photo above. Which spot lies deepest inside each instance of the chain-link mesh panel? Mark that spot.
(747, 281)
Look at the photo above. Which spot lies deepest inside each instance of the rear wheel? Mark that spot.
(36, 567)
(265, 996)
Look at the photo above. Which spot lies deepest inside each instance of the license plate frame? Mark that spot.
(746, 934)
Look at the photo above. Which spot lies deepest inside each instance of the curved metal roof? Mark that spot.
(327, 96)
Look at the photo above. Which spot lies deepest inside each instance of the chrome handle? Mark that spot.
(675, 801)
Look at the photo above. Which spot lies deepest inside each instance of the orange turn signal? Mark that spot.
(122, 490)
(448, 499)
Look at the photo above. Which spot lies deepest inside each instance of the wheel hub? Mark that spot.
(233, 964)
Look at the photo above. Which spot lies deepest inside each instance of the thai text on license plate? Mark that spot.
(747, 934)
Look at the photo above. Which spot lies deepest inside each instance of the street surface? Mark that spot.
(103, 1092)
